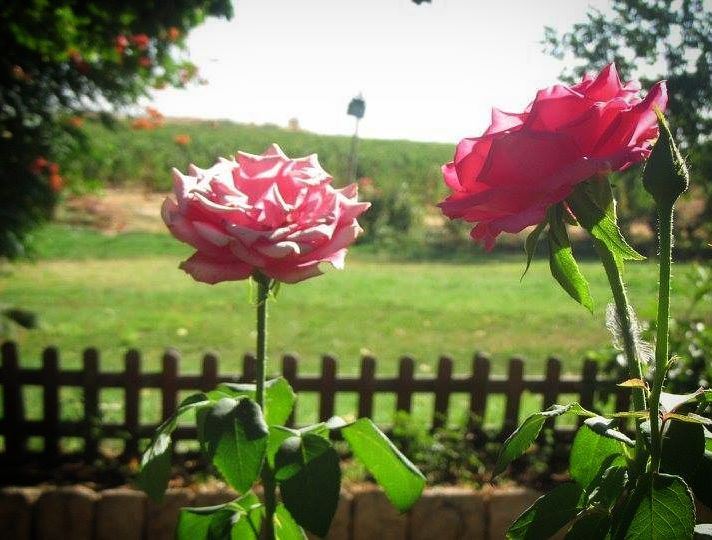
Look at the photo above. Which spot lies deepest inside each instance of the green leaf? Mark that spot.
(21, 317)
(220, 526)
(672, 402)
(592, 454)
(236, 440)
(700, 480)
(237, 520)
(593, 205)
(400, 479)
(689, 418)
(279, 397)
(195, 523)
(250, 522)
(279, 401)
(288, 460)
(708, 439)
(604, 427)
(312, 494)
(285, 528)
(683, 448)
(531, 244)
(608, 487)
(156, 468)
(522, 438)
(156, 461)
(233, 390)
(562, 263)
(660, 508)
(277, 435)
(593, 525)
(548, 514)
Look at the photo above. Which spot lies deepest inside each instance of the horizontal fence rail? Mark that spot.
(16, 429)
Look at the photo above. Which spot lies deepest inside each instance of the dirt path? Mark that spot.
(115, 211)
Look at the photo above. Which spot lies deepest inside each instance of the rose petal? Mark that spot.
(208, 270)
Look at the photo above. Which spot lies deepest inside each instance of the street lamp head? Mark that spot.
(357, 107)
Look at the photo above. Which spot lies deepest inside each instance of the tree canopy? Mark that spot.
(62, 58)
(667, 40)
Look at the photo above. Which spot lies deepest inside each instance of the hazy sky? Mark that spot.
(430, 72)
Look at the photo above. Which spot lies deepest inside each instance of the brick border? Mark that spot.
(79, 513)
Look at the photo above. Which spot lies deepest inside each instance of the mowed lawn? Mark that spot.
(135, 296)
(387, 309)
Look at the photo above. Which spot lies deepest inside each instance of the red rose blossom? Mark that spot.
(526, 162)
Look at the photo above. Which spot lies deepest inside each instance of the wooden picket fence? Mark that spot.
(478, 385)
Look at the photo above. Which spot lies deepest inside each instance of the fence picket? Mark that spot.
(365, 395)
(514, 391)
(442, 392)
(479, 389)
(50, 402)
(13, 405)
(169, 380)
(328, 388)
(209, 373)
(289, 372)
(90, 372)
(132, 386)
(404, 386)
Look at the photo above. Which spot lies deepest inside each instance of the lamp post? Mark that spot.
(357, 108)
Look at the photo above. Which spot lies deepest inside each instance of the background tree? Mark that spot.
(653, 40)
(63, 58)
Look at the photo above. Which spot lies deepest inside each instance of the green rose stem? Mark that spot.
(635, 368)
(666, 178)
(623, 310)
(662, 325)
(268, 483)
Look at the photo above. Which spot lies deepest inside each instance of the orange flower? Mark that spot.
(19, 73)
(121, 43)
(53, 168)
(75, 121)
(173, 33)
(141, 41)
(144, 61)
(182, 139)
(38, 165)
(56, 183)
(142, 123)
(152, 112)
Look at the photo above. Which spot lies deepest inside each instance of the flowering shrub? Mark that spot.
(547, 167)
(273, 220)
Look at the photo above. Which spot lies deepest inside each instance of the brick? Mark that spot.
(120, 514)
(162, 518)
(505, 505)
(16, 511)
(213, 497)
(374, 518)
(66, 513)
(448, 513)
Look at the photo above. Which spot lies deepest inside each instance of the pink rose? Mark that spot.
(267, 214)
(524, 163)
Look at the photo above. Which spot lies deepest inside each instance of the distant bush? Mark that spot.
(122, 156)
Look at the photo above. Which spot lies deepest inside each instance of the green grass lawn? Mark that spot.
(126, 291)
